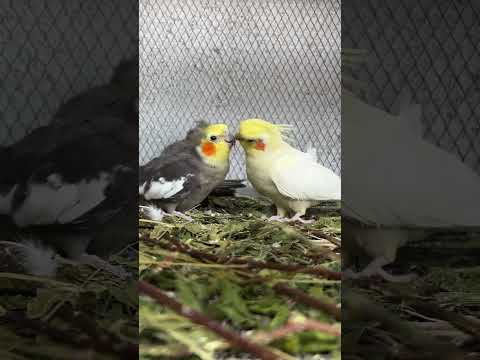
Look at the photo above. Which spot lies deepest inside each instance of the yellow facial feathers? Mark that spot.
(259, 134)
(252, 128)
(214, 148)
(216, 130)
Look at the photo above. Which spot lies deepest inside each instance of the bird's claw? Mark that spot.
(371, 271)
(277, 218)
(298, 218)
(182, 216)
(157, 214)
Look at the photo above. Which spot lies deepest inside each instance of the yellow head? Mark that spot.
(215, 145)
(259, 136)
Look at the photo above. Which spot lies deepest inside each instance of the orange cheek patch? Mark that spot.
(260, 146)
(208, 149)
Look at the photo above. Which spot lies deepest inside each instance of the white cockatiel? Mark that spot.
(292, 179)
(397, 184)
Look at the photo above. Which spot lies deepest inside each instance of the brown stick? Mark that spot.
(235, 339)
(295, 327)
(252, 264)
(306, 299)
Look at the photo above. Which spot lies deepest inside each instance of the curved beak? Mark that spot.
(230, 139)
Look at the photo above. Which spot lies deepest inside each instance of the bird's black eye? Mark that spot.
(251, 141)
(213, 138)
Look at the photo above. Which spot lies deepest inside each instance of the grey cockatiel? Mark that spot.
(186, 171)
(68, 184)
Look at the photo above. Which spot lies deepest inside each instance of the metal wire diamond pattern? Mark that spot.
(227, 61)
(53, 50)
(431, 48)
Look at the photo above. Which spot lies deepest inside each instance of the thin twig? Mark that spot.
(291, 328)
(300, 296)
(235, 339)
(175, 245)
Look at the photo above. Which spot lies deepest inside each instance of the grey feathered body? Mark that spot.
(178, 161)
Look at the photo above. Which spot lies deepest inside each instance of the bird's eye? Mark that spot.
(213, 138)
(251, 141)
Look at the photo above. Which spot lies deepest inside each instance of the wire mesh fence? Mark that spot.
(52, 50)
(224, 61)
(429, 48)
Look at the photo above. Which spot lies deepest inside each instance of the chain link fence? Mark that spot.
(53, 50)
(429, 48)
(225, 61)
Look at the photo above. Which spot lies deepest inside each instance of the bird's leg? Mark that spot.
(180, 215)
(281, 215)
(277, 218)
(298, 217)
(172, 211)
(376, 268)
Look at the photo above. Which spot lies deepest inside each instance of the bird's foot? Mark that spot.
(100, 264)
(181, 215)
(298, 217)
(370, 271)
(277, 218)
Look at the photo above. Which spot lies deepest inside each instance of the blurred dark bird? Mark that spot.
(69, 184)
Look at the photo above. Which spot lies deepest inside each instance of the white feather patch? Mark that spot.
(153, 212)
(312, 152)
(37, 259)
(47, 205)
(162, 189)
(141, 188)
(90, 194)
(288, 173)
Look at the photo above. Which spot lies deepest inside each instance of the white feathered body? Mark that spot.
(393, 177)
(292, 179)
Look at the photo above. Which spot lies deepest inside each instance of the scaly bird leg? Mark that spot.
(281, 215)
(376, 268)
(277, 218)
(180, 215)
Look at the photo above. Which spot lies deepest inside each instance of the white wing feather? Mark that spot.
(395, 178)
(45, 204)
(298, 177)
